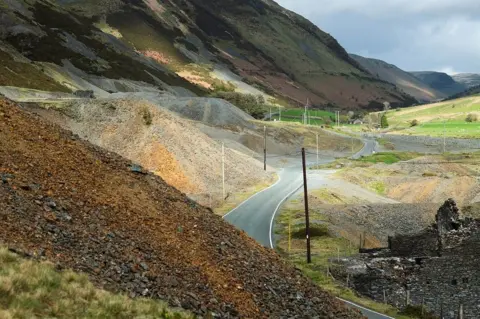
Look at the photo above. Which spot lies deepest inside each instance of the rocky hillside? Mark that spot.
(90, 210)
(402, 79)
(121, 45)
(440, 81)
(468, 79)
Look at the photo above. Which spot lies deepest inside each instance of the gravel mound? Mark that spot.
(381, 220)
(91, 210)
(172, 147)
(210, 111)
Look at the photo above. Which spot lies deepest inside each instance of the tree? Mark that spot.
(471, 118)
(384, 121)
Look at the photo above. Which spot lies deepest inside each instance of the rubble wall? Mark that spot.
(422, 244)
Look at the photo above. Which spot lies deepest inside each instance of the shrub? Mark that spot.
(384, 121)
(414, 123)
(147, 116)
(471, 118)
(222, 86)
(247, 102)
(320, 230)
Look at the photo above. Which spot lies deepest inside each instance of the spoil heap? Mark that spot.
(91, 210)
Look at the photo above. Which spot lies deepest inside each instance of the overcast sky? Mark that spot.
(415, 35)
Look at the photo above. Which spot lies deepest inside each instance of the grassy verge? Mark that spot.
(325, 249)
(389, 157)
(237, 198)
(367, 161)
(30, 289)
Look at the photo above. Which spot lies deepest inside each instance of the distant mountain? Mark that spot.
(402, 79)
(468, 79)
(474, 90)
(441, 82)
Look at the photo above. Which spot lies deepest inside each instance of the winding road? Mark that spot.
(256, 215)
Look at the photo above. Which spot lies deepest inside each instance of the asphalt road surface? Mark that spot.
(256, 215)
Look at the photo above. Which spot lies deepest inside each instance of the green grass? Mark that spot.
(317, 117)
(13, 73)
(452, 129)
(378, 187)
(389, 157)
(31, 289)
(431, 118)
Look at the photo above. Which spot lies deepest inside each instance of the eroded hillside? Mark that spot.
(194, 44)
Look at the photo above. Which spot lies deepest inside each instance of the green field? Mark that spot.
(317, 117)
(431, 119)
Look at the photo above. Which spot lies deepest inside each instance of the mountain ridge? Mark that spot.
(268, 47)
(403, 79)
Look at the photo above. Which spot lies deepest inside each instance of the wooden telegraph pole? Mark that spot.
(307, 218)
(223, 171)
(264, 148)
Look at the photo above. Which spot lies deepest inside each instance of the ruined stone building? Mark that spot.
(439, 268)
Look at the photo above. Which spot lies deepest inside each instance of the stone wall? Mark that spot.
(438, 268)
(422, 244)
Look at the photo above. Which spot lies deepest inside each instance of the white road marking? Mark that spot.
(238, 206)
(275, 213)
(358, 306)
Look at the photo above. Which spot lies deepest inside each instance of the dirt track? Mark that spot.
(88, 209)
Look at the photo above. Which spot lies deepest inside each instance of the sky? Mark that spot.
(415, 35)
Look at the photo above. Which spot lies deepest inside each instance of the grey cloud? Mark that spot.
(414, 35)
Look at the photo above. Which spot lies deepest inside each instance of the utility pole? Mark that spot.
(307, 218)
(305, 120)
(270, 113)
(264, 148)
(223, 171)
(317, 151)
(444, 137)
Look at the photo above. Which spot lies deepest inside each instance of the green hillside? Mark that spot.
(433, 119)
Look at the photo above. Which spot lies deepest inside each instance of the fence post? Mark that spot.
(460, 312)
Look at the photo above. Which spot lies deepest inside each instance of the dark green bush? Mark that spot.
(249, 103)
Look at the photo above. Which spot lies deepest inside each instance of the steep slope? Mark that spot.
(402, 79)
(467, 79)
(473, 90)
(163, 143)
(207, 42)
(440, 81)
(90, 210)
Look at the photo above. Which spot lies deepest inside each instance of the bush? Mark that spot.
(315, 231)
(384, 121)
(471, 118)
(248, 103)
(414, 123)
(147, 116)
(222, 86)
